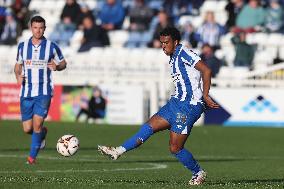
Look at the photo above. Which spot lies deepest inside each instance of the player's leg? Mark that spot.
(26, 106)
(158, 122)
(36, 137)
(40, 110)
(177, 142)
(155, 124)
(180, 130)
(28, 126)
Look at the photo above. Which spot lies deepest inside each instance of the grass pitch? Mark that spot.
(233, 157)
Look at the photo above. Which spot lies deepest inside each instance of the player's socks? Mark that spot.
(186, 158)
(44, 133)
(141, 136)
(35, 146)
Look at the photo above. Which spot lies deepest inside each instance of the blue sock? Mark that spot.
(36, 141)
(143, 134)
(186, 158)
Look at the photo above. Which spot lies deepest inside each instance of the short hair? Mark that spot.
(171, 31)
(38, 19)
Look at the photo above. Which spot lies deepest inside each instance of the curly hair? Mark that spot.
(171, 31)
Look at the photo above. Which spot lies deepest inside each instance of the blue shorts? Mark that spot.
(181, 115)
(38, 105)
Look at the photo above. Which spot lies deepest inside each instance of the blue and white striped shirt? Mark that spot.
(186, 78)
(34, 59)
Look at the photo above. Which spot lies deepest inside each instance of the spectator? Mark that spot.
(176, 8)
(63, 31)
(274, 17)
(84, 12)
(251, 18)
(112, 15)
(96, 106)
(188, 35)
(21, 12)
(163, 22)
(233, 8)
(210, 31)
(2, 18)
(140, 17)
(84, 103)
(10, 30)
(94, 35)
(71, 9)
(207, 55)
(244, 51)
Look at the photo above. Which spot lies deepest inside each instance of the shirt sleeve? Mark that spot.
(58, 56)
(189, 57)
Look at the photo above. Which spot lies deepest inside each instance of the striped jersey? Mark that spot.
(186, 79)
(34, 59)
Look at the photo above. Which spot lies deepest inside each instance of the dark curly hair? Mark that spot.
(171, 31)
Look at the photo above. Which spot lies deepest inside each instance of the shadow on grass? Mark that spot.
(248, 181)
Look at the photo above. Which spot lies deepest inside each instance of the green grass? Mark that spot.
(233, 157)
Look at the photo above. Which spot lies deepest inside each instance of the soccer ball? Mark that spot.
(67, 145)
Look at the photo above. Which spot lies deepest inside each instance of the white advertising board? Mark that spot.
(125, 104)
(251, 106)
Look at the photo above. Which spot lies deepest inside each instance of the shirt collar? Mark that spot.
(43, 40)
(178, 47)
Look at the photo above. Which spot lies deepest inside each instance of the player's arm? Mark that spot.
(61, 66)
(18, 73)
(57, 63)
(206, 77)
(57, 67)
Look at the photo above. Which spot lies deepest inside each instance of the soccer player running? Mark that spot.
(183, 109)
(37, 57)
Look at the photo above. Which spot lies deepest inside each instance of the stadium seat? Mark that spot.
(76, 39)
(208, 6)
(281, 53)
(225, 40)
(262, 59)
(118, 38)
(274, 39)
(35, 5)
(260, 38)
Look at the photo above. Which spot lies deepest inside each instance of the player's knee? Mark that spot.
(28, 130)
(175, 148)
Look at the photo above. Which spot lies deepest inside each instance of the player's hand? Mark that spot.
(51, 65)
(210, 103)
(20, 79)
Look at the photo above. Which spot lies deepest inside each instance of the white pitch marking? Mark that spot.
(91, 158)
(154, 166)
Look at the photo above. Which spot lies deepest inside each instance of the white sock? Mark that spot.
(120, 150)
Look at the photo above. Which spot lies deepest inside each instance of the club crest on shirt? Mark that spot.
(181, 118)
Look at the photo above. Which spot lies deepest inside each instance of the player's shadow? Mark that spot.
(22, 149)
(248, 181)
(175, 160)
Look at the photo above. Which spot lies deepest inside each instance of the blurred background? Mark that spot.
(117, 70)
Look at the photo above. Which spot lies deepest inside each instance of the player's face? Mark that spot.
(37, 29)
(168, 45)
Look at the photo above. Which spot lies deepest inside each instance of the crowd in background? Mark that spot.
(147, 18)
